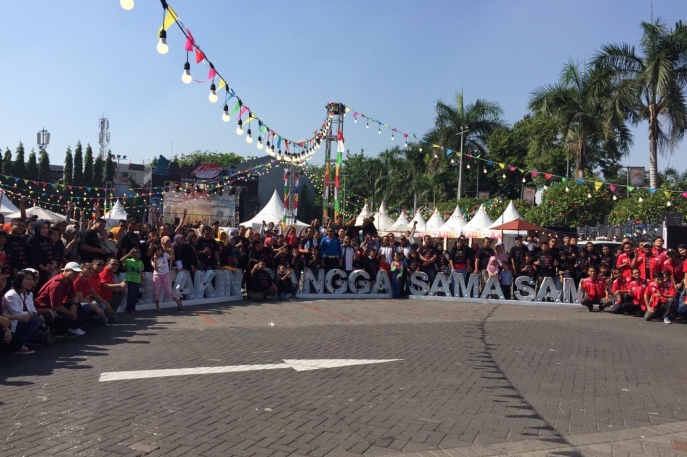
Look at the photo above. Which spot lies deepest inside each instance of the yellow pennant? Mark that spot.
(597, 185)
(347, 110)
(502, 164)
(170, 18)
(667, 193)
(221, 84)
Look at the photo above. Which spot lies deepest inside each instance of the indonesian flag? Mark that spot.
(340, 143)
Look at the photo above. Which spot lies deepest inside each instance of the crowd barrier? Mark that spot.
(219, 286)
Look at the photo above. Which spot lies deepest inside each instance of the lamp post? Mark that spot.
(460, 163)
(118, 174)
(43, 139)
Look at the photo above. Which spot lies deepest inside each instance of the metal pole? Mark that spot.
(477, 190)
(460, 168)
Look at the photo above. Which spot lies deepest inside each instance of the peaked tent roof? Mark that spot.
(434, 223)
(272, 212)
(401, 224)
(382, 220)
(480, 222)
(455, 223)
(42, 213)
(6, 205)
(115, 214)
(509, 214)
(421, 224)
(363, 214)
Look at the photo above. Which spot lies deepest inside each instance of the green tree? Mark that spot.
(32, 166)
(648, 86)
(646, 206)
(98, 168)
(7, 164)
(44, 167)
(68, 174)
(571, 205)
(78, 178)
(592, 134)
(224, 159)
(477, 120)
(88, 167)
(19, 168)
(109, 168)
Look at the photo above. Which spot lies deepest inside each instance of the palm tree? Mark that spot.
(649, 86)
(478, 120)
(589, 130)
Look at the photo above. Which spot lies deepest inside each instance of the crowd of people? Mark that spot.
(58, 277)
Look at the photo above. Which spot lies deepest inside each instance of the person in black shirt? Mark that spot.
(517, 255)
(208, 249)
(545, 263)
(527, 267)
(482, 261)
(91, 248)
(594, 258)
(16, 245)
(608, 258)
(461, 256)
(130, 239)
(40, 251)
(428, 257)
(262, 283)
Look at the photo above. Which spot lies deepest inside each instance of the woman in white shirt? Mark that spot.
(17, 306)
(161, 278)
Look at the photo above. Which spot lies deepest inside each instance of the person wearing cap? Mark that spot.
(57, 303)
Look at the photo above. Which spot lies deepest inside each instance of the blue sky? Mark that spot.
(68, 62)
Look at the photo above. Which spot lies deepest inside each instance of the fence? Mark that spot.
(636, 231)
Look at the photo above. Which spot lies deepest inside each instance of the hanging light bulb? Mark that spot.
(355, 120)
(567, 189)
(259, 142)
(249, 138)
(503, 176)
(436, 156)
(467, 166)
(162, 47)
(225, 114)
(668, 204)
(545, 187)
(406, 144)
(615, 198)
(485, 170)
(420, 148)
(453, 161)
(589, 195)
(524, 180)
(279, 157)
(186, 78)
(641, 199)
(392, 137)
(239, 129)
(367, 124)
(213, 93)
(128, 5)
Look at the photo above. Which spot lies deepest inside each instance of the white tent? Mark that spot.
(421, 225)
(42, 213)
(435, 223)
(401, 224)
(455, 223)
(6, 205)
(363, 214)
(382, 221)
(479, 224)
(509, 214)
(272, 212)
(116, 214)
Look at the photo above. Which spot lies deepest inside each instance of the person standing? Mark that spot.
(428, 257)
(331, 251)
(133, 268)
(161, 278)
(482, 261)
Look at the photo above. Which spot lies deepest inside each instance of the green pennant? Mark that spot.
(564, 179)
(630, 188)
(236, 108)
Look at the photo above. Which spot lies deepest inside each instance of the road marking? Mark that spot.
(298, 365)
(322, 311)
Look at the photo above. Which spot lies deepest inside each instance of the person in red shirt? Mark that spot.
(110, 291)
(620, 289)
(628, 260)
(86, 287)
(57, 302)
(595, 291)
(674, 265)
(658, 248)
(635, 304)
(652, 263)
(659, 298)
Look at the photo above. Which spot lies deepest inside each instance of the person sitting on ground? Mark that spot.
(284, 283)
(262, 284)
(595, 291)
(660, 298)
(112, 293)
(635, 306)
(17, 306)
(57, 302)
(86, 287)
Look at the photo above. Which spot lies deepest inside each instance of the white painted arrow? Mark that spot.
(298, 365)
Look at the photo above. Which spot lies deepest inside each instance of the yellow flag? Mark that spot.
(347, 110)
(667, 193)
(502, 164)
(597, 185)
(221, 84)
(170, 19)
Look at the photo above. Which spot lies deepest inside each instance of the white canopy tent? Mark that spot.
(6, 205)
(435, 224)
(116, 214)
(382, 220)
(272, 212)
(455, 224)
(479, 224)
(421, 224)
(363, 214)
(509, 214)
(401, 224)
(41, 213)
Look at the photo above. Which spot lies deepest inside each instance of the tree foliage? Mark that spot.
(110, 171)
(88, 167)
(32, 166)
(77, 177)
(98, 169)
(44, 167)
(571, 205)
(68, 173)
(223, 159)
(19, 166)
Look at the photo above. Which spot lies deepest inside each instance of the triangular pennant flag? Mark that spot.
(199, 56)
(221, 84)
(597, 185)
(534, 174)
(667, 194)
(564, 180)
(236, 107)
(190, 42)
(652, 191)
(612, 187)
(501, 164)
(630, 188)
(512, 168)
(170, 18)
(547, 176)
(684, 194)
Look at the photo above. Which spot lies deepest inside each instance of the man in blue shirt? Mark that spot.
(331, 251)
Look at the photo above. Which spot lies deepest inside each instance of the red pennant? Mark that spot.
(190, 42)
(548, 176)
(534, 174)
(199, 56)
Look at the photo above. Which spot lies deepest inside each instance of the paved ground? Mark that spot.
(474, 380)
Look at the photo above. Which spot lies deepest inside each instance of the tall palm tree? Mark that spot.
(480, 119)
(649, 86)
(588, 128)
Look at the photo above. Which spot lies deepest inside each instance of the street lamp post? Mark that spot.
(460, 163)
(43, 139)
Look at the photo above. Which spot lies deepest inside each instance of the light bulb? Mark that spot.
(452, 161)
(406, 143)
(615, 198)
(524, 180)
(186, 77)
(259, 142)
(668, 204)
(589, 195)
(367, 125)
(162, 47)
(641, 199)
(249, 139)
(213, 93)
(392, 137)
(420, 148)
(225, 114)
(128, 5)
(503, 176)
(485, 170)
(436, 156)
(545, 187)
(467, 166)
(239, 128)
(379, 130)
(355, 120)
